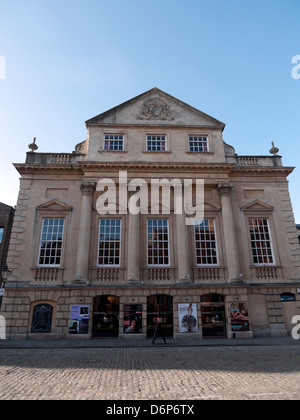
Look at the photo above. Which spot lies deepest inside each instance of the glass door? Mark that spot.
(160, 310)
(106, 316)
(213, 316)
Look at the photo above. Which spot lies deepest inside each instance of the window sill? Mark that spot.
(112, 151)
(156, 152)
(265, 266)
(41, 267)
(147, 267)
(200, 153)
(107, 267)
(208, 266)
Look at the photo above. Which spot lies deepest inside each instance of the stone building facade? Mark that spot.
(100, 247)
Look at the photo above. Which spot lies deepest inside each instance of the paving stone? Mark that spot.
(151, 373)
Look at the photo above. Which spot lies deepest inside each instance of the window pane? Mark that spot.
(205, 242)
(114, 142)
(198, 144)
(260, 241)
(109, 242)
(51, 242)
(156, 143)
(158, 242)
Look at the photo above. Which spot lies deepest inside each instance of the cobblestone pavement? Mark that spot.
(153, 373)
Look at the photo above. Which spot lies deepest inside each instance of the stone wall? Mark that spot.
(273, 315)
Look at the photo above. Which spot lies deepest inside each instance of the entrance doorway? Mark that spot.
(213, 316)
(160, 309)
(106, 316)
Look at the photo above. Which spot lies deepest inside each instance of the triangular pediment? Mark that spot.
(155, 107)
(55, 206)
(257, 205)
(211, 207)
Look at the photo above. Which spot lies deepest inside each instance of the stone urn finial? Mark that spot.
(274, 149)
(32, 146)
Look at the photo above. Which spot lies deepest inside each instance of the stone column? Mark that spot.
(83, 250)
(133, 262)
(231, 251)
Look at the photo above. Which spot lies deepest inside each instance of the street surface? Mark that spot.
(151, 373)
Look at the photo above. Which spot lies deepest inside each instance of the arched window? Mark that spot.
(287, 297)
(42, 318)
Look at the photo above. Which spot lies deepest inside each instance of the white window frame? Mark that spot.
(197, 223)
(115, 137)
(258, 264)
(50, 241)
(120, 242)
(168, 248)
(193, 138)
(155, 139)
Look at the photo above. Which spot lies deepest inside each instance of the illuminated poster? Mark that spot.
(133, 315)
(188, 322)
(79, 322)
(239, 317)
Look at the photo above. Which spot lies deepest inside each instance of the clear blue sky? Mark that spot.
(69, 60)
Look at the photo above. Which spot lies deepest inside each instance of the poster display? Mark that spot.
(239, 317)
(79, 319)
(188, 321)
(133, 315)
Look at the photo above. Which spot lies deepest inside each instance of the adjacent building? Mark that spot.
(106, 241)
(6, 220)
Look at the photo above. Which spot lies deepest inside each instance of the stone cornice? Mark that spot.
(79, 168)
(24, 168)
(262, 170)
(157, 165)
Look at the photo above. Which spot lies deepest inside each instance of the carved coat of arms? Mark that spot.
(155, 109)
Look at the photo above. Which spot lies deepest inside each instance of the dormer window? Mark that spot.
(198, 144)
(113, 142)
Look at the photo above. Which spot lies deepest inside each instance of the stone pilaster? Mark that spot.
(184, 269)
(224, 190)
(83, 250)
(133, 262)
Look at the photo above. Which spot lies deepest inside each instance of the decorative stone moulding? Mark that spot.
(224, 189)
(88, 188)
(155, 109)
